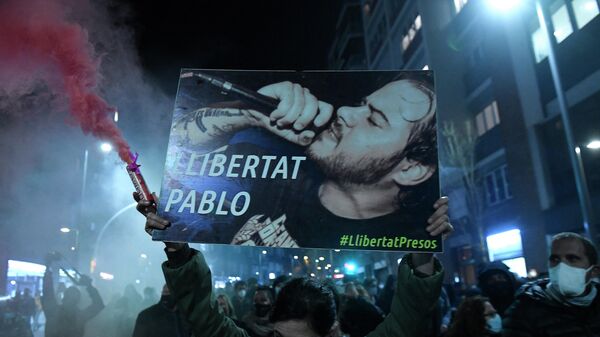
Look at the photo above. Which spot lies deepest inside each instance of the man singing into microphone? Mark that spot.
(375, 165)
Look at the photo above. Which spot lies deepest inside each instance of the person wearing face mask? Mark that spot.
(162, 319)
(238, 300)
(566, 304)
(475, 317)
(257, 321)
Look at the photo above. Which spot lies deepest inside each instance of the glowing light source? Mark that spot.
(105, 147)
(271, 276)
(505, 245)
(143, 256)
(106, 276)
(321, 258)
(72, 248)
(312, 274)
(503, 5)
(116, 117)
(65, 229)
(350, 267)
(257, 273)
(593, 145)
(13, 282)
(577, 150)
(336, 271)
(295, 257)
(264, 252)
(137, 282)
(305, 257)
(338, 276)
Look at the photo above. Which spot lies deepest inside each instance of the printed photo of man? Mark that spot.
(371, 169)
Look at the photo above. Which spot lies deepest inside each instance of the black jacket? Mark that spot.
(160, 321)
(534, 314)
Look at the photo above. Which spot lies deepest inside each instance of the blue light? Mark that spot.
(350, 267)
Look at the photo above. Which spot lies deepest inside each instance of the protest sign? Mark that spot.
(339, 160)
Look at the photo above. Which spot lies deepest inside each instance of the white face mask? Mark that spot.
(570, 281)
(494, 324)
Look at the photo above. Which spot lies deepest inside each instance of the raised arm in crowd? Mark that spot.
(304, 307)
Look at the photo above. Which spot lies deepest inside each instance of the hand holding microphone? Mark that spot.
(299, 116)
(286, 109)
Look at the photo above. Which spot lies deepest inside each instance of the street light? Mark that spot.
(574, 156)
(65, 229)
(593, 145)
(105, 147)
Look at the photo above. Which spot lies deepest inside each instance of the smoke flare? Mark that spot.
(36, 37)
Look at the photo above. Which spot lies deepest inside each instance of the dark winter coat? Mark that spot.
(160, 321)
(534, 314)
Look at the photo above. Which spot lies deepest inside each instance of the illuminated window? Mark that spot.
(496, 186)
(517, 265)
(540, 45)
(585, 11)
(487, 119)
(561, 22)
(426, 67)
(505, 245)
(411, 33)
(459, 4)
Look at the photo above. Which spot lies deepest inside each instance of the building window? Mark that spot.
(487, 119)
(508, 247)
(459, 4)
(496, 186)
(585, 11)
(561, 22)
(540, 45)
(411, 33)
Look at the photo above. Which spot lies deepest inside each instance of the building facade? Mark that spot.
(491, 70)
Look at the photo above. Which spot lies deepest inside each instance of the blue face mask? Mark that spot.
(494, 324)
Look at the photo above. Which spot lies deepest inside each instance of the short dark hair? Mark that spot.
(588, 246)
(267, 290)
(239, 284)
(306, 299)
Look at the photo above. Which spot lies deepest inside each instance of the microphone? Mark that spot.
(259, 102)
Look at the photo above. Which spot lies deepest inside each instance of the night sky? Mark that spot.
(272, 34)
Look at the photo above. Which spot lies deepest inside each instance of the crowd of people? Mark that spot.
(413, 302)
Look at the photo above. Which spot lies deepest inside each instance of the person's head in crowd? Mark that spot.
(475, 317)
(240, 289)
(225, 306)
(358, 317)
(499, 284)
(350, 290)
(279, 282)
(149, 292)
(71, 297)
(27, 292)
(263, 301)
(573, 263)
(371, 285)
(363, 293)
(166, 298)
(304, 307)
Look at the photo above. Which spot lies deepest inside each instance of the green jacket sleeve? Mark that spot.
(414, 299)
(192, 287)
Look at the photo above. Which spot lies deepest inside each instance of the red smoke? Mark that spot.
(36, 38)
